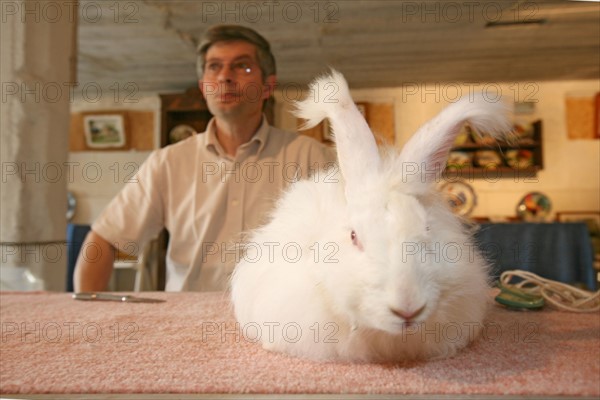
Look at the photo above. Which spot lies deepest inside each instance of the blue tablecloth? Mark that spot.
(557, 251)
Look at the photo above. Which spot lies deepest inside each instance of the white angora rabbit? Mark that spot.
(370, 265)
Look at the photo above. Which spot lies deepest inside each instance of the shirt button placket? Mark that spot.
(236, 199)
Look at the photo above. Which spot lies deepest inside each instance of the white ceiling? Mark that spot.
(151, 44)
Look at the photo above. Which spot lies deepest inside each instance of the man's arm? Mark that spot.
(94, 264)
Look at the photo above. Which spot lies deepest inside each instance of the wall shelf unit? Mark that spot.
(519, 157)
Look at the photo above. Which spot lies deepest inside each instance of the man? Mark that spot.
(209, 189)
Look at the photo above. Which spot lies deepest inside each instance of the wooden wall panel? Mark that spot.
(582, 114)
(381, 120)
(380, 117)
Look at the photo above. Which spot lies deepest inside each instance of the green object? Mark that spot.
(517, 298)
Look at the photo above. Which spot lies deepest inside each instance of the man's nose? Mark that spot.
(226, 74)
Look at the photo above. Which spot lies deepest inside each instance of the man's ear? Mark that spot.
(269, 86)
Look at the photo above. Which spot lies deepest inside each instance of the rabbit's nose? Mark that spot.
(407, 314)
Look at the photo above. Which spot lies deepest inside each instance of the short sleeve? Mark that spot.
(136, 214)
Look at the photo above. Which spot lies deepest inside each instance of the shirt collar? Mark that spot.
(260, 137)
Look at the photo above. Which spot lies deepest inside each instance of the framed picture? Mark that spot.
(103, 131)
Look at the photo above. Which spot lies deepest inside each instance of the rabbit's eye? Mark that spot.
(355, 240)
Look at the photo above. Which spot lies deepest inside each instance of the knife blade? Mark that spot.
(91, 296)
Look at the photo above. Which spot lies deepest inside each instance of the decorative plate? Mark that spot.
(482, 138)
(181, 132)
(519, 158)
(534, 206)
(461, 197)
(488, 159)
(459, 159)
(524, 132)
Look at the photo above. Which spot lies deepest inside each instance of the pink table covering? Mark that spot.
(190, 344)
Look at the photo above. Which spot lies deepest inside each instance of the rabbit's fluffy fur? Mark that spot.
(368, 263)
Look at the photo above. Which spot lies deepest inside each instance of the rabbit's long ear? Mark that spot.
(424, 157)
(358, 157)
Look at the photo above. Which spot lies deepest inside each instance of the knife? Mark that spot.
(114, 297)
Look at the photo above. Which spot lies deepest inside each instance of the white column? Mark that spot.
(35, 54)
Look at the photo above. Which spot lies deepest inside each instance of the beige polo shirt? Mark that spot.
(206, 200)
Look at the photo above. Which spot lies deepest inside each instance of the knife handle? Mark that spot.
(99, 296)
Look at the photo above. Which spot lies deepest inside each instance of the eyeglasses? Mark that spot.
(240, 68)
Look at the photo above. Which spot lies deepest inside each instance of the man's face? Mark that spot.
(232, 83)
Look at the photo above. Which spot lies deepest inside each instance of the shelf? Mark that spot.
(470, 154)
(495, 146)
(491, 173)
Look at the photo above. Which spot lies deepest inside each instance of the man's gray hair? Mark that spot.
(228, 33)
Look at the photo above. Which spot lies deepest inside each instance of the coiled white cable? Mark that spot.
(560, 295)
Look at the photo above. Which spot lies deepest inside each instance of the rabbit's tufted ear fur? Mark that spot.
(358, 156)
(424, 157)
